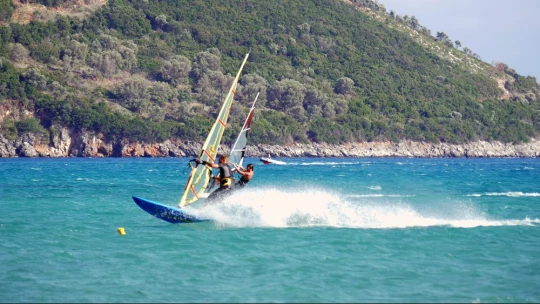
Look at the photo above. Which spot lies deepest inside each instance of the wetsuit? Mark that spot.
(225, 181)
(225, 175)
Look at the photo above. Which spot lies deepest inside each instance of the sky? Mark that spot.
(497, 30)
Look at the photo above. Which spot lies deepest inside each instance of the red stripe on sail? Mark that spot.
(193, 190)
(187, 183)
(209, 156)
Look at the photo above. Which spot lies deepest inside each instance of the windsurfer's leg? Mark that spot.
(213, 195)
(217, 194)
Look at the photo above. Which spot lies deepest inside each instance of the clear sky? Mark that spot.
(497, 30)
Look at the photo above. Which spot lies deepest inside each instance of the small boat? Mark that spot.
(268, 160)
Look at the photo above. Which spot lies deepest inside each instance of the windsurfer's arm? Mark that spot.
(209, 164)
(246, 174)
(239, 170)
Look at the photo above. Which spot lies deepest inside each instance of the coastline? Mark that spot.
(85, 144)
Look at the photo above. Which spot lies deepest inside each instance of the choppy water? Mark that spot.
(315, 230)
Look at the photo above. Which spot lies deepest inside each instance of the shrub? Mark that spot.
(9, 130)
(6, 9)
(30, 125)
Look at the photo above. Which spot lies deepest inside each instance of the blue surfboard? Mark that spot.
(167, 213)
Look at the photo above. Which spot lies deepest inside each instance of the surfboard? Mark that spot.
(167, 213)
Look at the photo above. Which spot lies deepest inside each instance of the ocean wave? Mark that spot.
(508, 194)
(328, 163)
(378, 195)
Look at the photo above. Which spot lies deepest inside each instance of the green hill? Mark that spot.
(328, 71)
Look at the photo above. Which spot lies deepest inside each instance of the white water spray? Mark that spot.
(320, 208)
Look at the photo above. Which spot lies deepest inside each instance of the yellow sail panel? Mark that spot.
(200, 175)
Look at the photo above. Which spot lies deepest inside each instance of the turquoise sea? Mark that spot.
(314, 230)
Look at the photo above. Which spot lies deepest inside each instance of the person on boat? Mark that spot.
(246, 174)
(224, 178)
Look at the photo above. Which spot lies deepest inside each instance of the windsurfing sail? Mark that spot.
(200, 175)
(238, 150)
(236, 157)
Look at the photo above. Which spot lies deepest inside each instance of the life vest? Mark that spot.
(225, 175)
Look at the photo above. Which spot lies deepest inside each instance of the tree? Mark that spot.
(176, 70)
(9, 130)
(251, 85)
(78, 52)
(6, 9)
(130, 21)
(345, 86)
(19, 53)
(133, 94)
(106, 63)
(161, 20)
(314, 101)
(212, 87)
(5, 38)
(205, 62)
(287, 96)
(34, 78)
(109, 54)
(441, 36)
(458, 43)
(425, 31)
(413, 23)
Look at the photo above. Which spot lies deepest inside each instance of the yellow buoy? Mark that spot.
(121, 231)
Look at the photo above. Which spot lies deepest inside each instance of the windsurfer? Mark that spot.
(224, 178)
(247, 174)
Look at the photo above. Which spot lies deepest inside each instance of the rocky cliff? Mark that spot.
(70, 143)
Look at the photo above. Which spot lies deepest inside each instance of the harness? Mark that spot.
(225, 182)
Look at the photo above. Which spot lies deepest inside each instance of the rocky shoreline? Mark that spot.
(68, 143)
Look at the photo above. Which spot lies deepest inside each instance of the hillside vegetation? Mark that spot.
(327, 70)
